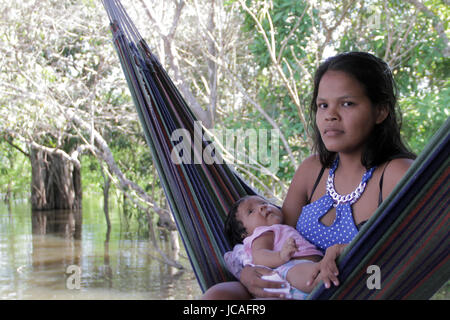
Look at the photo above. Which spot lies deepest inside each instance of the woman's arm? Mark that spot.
(301, 185)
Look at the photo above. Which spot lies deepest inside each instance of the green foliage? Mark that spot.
(91, 175)
(135, 160)
(420, 70)
(15, 172)
(293, 26)
(423, 116)
(284, 16)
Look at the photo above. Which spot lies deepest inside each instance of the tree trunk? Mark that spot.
(55, 181)
(106, 187)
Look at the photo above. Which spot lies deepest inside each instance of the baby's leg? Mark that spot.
(299, 274)
(232, 290)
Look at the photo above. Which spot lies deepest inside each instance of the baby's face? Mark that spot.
(256, 212)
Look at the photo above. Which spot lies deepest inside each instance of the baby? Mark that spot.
(266, 241)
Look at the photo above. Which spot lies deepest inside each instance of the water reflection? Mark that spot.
(63, 223)
(56, 245)
(36, 251)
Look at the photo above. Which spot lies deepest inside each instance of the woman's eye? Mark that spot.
(347, 104)
(322, 105)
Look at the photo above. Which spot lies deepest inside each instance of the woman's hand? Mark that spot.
(328, 269)
(251, 279)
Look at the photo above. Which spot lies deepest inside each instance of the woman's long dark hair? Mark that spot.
(384, 143)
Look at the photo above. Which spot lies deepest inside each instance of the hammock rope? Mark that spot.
(407, 237)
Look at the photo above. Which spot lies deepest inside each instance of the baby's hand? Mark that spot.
(288, 250)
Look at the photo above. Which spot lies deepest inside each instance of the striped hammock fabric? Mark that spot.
(199, 194)
(407, 238)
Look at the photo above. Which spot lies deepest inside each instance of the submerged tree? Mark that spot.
(64, 95)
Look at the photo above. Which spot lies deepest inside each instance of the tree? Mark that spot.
(64, 95)
(60, 82)
(27, 103)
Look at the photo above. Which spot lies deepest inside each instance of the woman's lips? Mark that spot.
(332, 132)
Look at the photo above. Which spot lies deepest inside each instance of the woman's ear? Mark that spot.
(382, 113)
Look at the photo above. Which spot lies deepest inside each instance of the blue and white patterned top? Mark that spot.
(341, 231)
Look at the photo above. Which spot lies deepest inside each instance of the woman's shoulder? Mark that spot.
(396, 168)
(308, 170)
(393, 171)
(310, 165)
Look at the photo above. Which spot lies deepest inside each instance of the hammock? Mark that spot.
(407, 237)
(199, 194)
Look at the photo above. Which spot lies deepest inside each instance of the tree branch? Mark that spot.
(105, 154)
(438, 25)
(170, 54)
(287, 82)
(8, 140)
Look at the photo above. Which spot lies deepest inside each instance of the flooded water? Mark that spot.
(66, 255)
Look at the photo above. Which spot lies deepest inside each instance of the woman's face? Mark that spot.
(256, 212)
(345, 115)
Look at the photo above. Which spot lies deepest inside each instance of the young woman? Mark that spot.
(359, 158)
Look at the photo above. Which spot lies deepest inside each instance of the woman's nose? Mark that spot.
(332, 113)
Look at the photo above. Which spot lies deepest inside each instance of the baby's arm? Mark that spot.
(263, 253)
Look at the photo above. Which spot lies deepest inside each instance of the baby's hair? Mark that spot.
(384, 143)
(234, 229)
